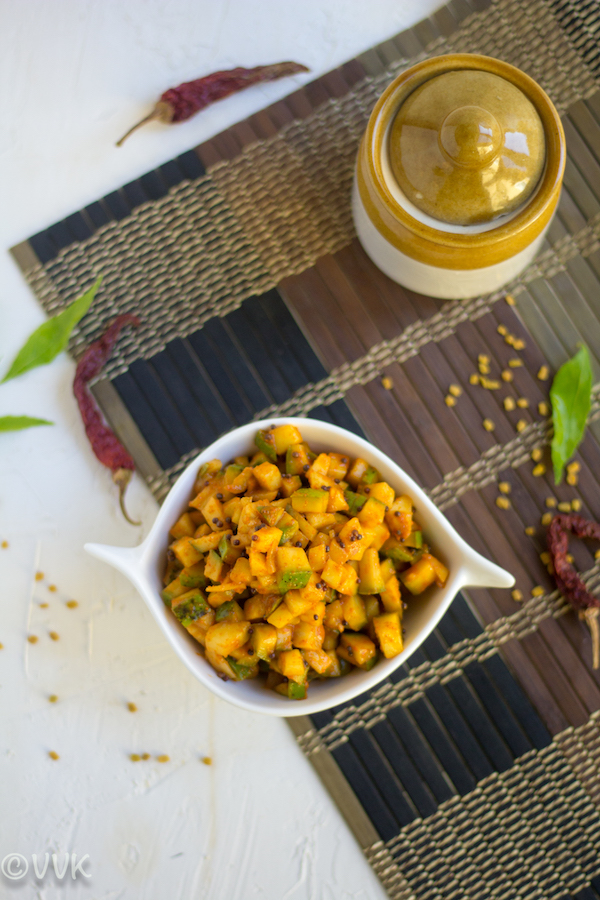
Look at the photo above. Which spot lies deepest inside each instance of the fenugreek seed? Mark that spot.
(52, 698)
(32, 638)
(44, 605)
(545, 557)
(570, 559)
(52, 588)
(387, 383)
(206, 760)
(509, 339)
(536, 454)
(530, 530)
(72, 604)
(515, 362)
(509, 404)
(483, 359)
(134, 757)
(522, 402)
(145, 756)
(597, 554)
(484, 369)
(132, 707)
(518, 344)
(506, 375)
(502, 329)
(572, 479)
(163, 758)
(455, 390)
(488, 424)
(521, 425)
(39, 576)
(53, 636)
(546, 518)
(503, 502)
(510, 300)
(537, 591)
(543, 408)
(1, 646)
(539, 470)
(474, 378)
(449, 400)
(550, 502)
(564, 507)
(490, 384)
(543, 373)
(53, 755)
(516, 595)
(574, 466)
(504, 487)
(576, 504)
(4, 545)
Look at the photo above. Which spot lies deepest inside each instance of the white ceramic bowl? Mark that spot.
(144, 566)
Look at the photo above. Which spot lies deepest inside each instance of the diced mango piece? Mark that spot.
(372, 513)
(260, 606)
(284, 436)
(223, 637)
(263, 640)
(281, 617)
(189, 606)
(337, 501)
(265, 442)
(310, 500)
(338, 465)
(308, 636)
(390, 597)
(173, 590)
(399, 517)
(317, 557)
(354, 611)
(334, 616)
(371, 581)
(186, 552)
(318, 660)
(419, 576)
(357, 649)
(214, 567)
(240, 572)
(183, 527)
(315, 614)
(383, 492)
(284, 638)
(265, 539)
(208, 541)
(292, 665)
(389, 634)
(268, 476)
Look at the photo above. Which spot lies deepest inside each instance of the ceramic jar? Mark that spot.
(458, 175)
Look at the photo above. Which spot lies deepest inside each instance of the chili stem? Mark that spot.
(590, 616)
(153, 116)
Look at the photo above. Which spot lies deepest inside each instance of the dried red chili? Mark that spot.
(182, 102)
(568, 581)
(105, 444)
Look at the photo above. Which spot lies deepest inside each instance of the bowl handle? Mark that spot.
(124, 559)
(480, 572)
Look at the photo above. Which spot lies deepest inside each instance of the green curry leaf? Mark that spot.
(18, 423)
(571, 395)
(47, 341)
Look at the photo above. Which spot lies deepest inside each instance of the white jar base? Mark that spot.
(445, 284)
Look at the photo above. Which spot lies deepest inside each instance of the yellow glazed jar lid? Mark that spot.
(467, 146)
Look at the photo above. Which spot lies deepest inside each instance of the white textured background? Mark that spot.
(74, 74)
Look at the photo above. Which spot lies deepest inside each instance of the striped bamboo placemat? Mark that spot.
(472, 772)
